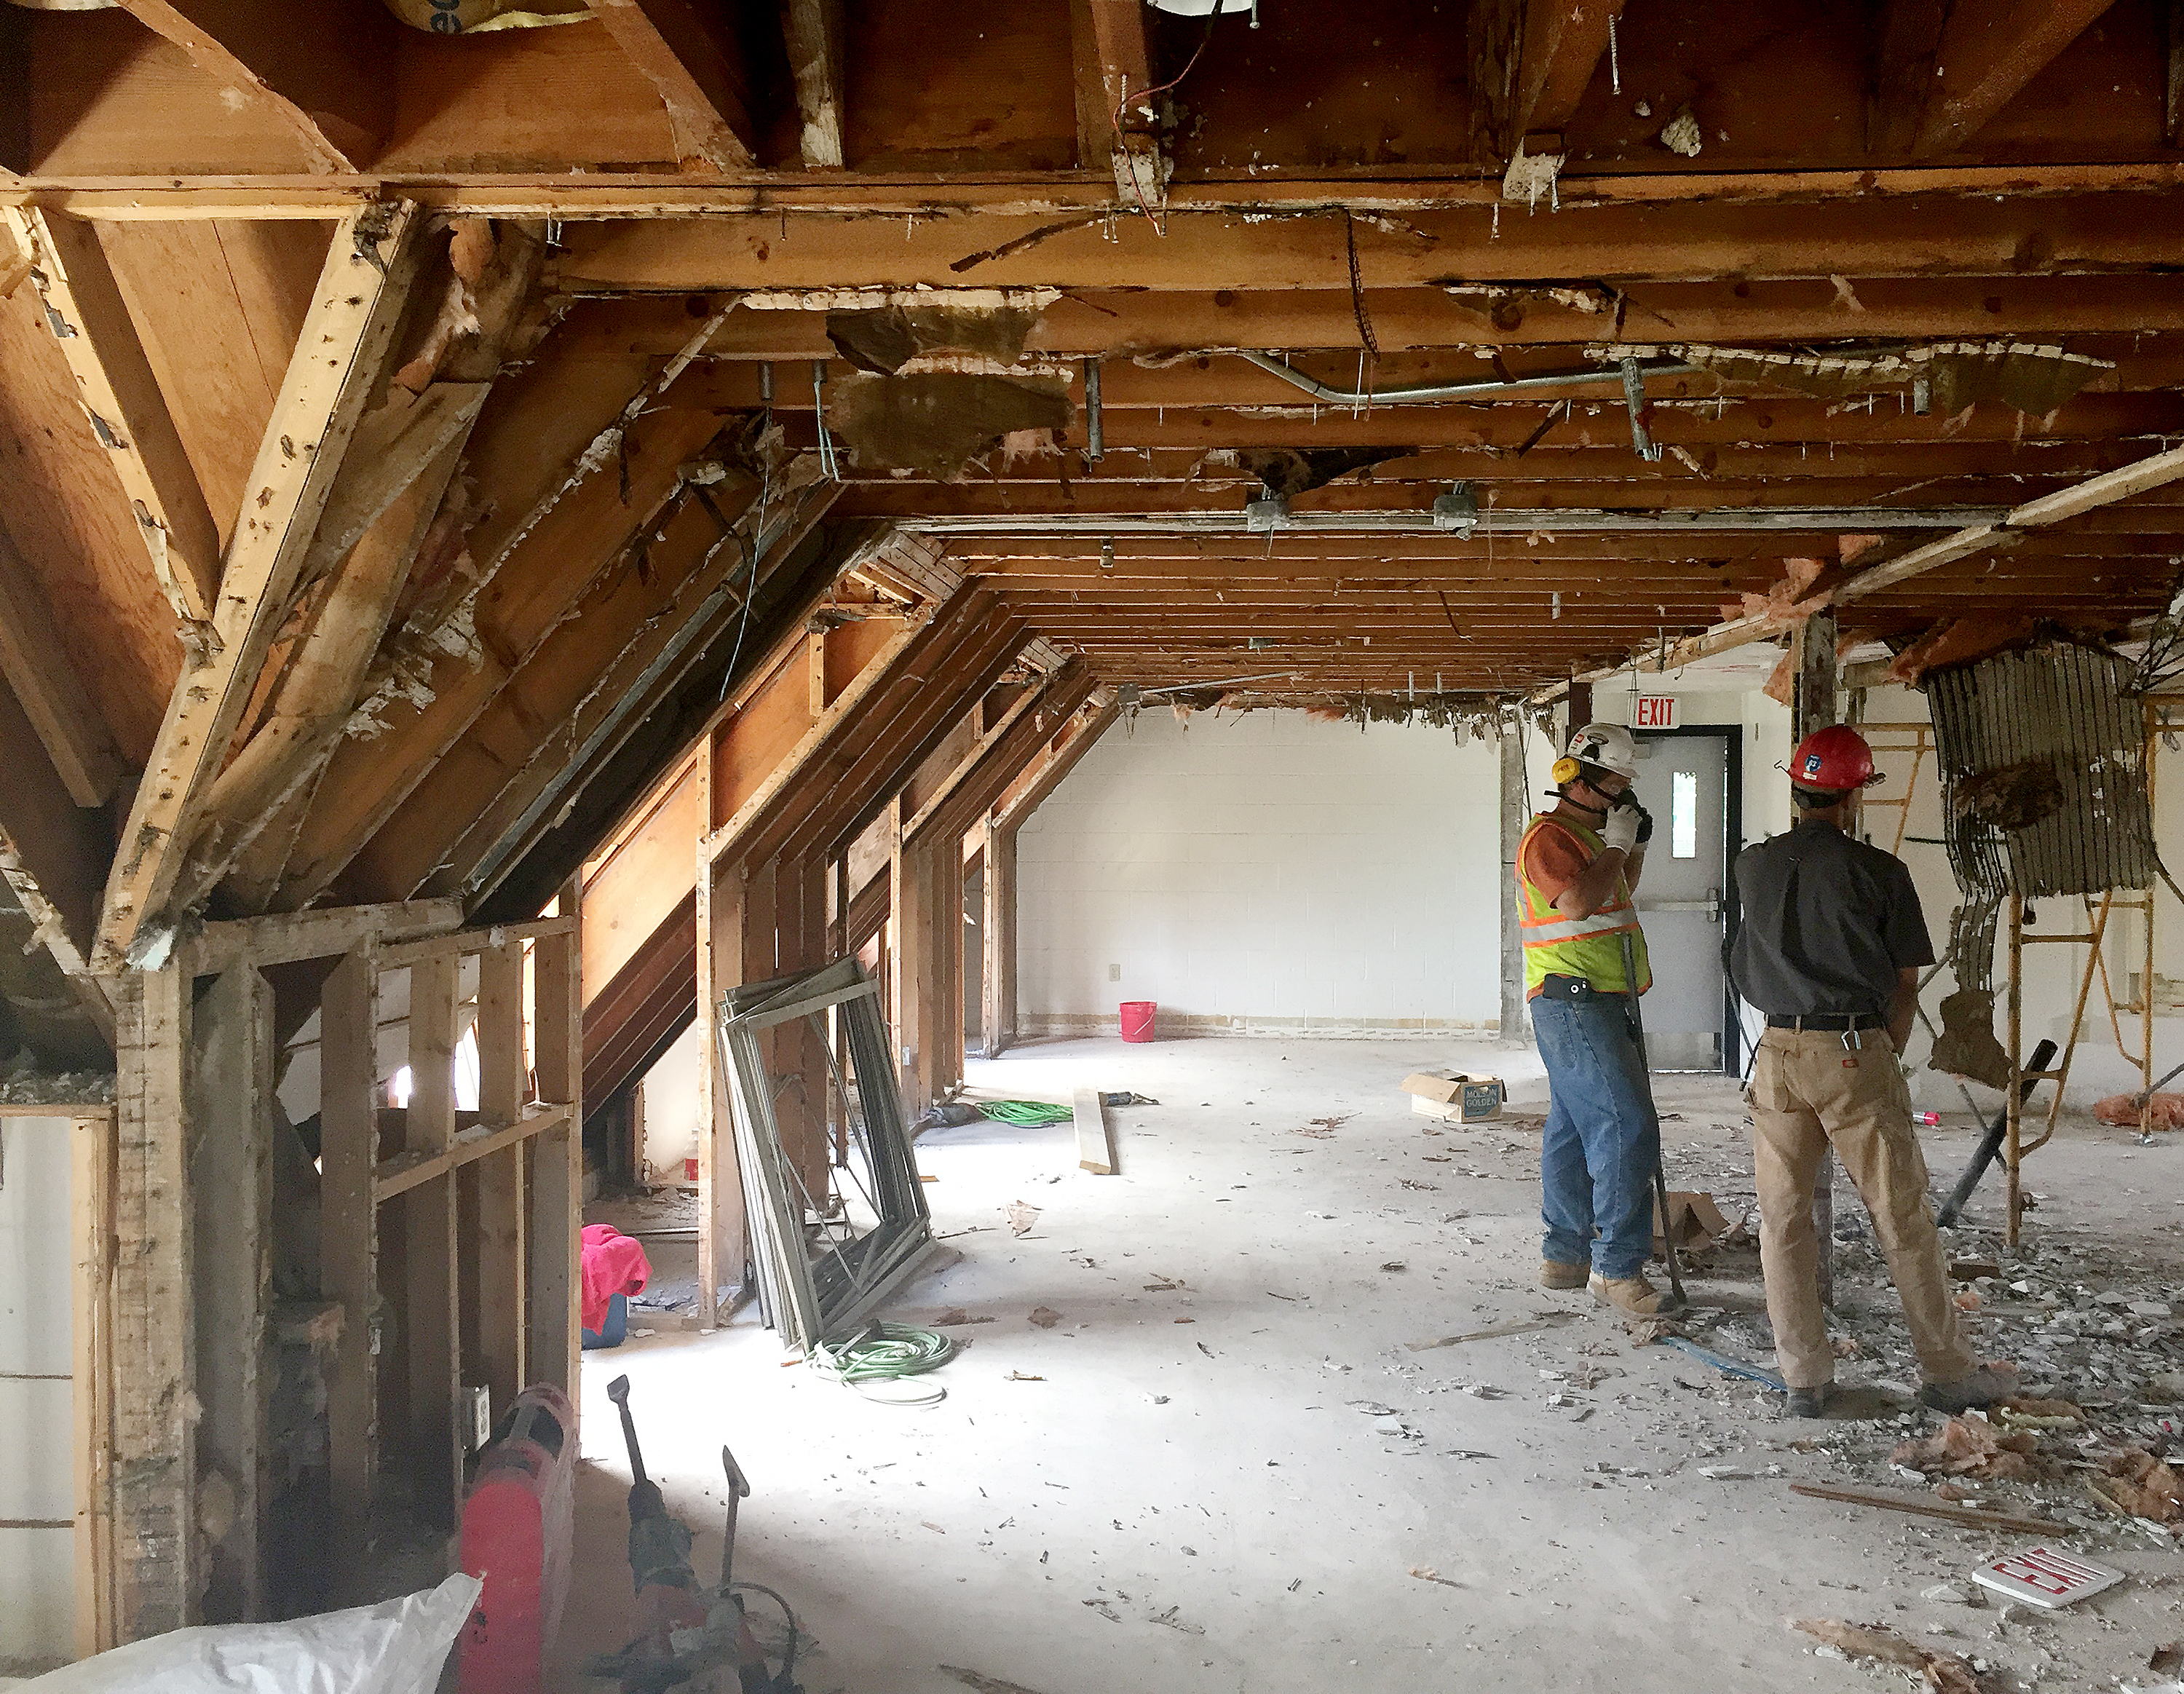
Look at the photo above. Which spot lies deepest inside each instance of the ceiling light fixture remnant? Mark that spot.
(1107, 553)
(1207, 9)
(1259, 644)
(1266, 514)
(1457, 510)
(1126, 696)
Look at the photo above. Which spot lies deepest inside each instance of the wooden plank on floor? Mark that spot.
(1095, 1137)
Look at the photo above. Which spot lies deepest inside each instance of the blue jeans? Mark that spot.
(1601, 1140)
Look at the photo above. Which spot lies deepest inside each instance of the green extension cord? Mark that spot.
(888, 1352)
(1024, 1112)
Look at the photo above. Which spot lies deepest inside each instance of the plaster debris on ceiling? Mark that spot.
(2030, 377)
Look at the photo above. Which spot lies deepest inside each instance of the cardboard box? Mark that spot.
(1456, 1096)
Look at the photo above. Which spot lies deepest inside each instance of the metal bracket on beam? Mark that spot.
(1634, 398)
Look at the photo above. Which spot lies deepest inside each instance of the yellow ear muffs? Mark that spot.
(1565, 770)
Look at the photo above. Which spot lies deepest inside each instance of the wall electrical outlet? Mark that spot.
(1114, 973)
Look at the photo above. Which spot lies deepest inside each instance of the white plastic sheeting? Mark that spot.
(395, 1647)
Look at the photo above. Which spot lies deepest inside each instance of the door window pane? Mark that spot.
(1684, 815)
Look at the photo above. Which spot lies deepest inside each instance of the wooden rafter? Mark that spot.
(1986, 53)
(555, 565)
(2128, 482)
(388, 494)
(355, 312)
(127, 413)
(1002, 754)
(1062, 752)
(686, 50)
(813, 32)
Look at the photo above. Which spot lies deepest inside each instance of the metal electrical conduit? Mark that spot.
(1460, 391)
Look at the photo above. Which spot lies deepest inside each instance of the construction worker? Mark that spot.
(1830, 949)
(1576, 870)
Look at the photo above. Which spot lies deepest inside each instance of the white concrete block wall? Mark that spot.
(1268, 866)
(38, 1427)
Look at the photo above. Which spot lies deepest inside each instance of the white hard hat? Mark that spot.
(1607, 745)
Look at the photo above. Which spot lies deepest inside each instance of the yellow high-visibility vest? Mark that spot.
(1557, 944)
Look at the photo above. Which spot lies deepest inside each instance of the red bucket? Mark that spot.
(1138, 1019)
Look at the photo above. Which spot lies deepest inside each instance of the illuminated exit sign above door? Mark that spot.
(1653, 711)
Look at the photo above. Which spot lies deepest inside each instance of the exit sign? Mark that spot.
(1654, 711)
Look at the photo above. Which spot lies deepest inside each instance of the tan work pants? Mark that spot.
(1808, 1091)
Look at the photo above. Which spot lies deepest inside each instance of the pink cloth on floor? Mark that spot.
(613, 1264)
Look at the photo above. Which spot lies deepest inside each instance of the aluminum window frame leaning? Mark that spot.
(808, 1296)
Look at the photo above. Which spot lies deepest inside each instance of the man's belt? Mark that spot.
(1574, 988)
(1832, 1022)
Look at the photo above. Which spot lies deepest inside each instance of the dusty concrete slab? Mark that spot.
(1234, 1472)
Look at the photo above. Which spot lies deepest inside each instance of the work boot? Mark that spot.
(1808, 1402)
(1983, 1387)
(1554, 1273)
(1631, 1294)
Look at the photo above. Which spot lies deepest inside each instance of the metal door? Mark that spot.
(1684, 782)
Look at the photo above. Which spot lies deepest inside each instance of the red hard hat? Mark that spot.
(1832, 760)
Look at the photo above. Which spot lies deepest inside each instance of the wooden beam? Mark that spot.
(1080, 735)
(1907, 35)
(1927, 236)
(286, 937)
(493, 1322)
(354, 316)
(555, 1179)
(1003, 753)
(688, 52)
(393, 447)
(155, 1517)
(230, 1178)
(348, 1236)
(127, 413)
(2121, 484)
(53, 696)
(1531, 62)
(1116, 125)
(1096, 1136)
(813, 32)
(430, 1291)
(1564, 42)
(393, 1178)
(1989, 50)
(2172, 102)
(326, 86)
(997, 935)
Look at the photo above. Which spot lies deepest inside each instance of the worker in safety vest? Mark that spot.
(1577, 868)
(1829, 948)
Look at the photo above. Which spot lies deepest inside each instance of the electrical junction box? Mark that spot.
(1457, 1096)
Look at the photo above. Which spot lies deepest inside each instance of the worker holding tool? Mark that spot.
(1577, 869)
(1830, 949)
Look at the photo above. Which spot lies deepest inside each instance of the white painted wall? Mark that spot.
(1266, 870)
(671, 1110)
(37, 1429)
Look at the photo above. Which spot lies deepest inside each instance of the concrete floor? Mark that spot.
(1187, 1494)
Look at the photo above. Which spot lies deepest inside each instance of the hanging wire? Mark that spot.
(1614, 60)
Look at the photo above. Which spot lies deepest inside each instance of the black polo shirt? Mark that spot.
(1827, 923)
